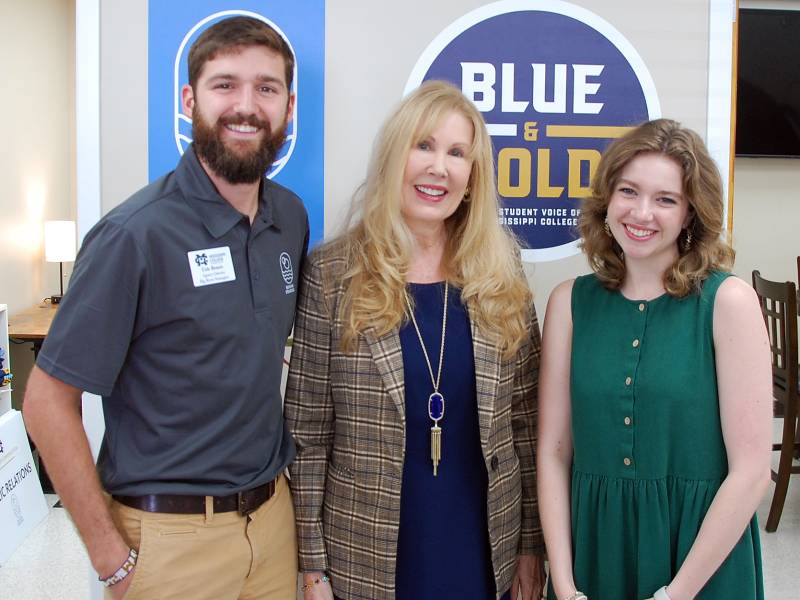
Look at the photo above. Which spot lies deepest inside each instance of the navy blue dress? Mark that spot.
(443, 547)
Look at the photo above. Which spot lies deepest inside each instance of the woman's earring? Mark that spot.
(687, 245)
(606, 228)
(467, 192)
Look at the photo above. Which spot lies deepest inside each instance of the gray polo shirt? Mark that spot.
(177, 314)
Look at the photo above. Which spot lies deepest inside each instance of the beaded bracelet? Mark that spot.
(123, 571)
(578, 596)
(307, 586)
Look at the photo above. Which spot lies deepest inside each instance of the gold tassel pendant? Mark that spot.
(436, 447)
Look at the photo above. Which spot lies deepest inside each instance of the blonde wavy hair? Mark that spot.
(702, 186)
(480, 256)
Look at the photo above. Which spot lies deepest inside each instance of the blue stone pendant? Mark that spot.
(436, 406)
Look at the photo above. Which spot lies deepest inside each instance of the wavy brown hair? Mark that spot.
(231, 35)
(702, 187)
(481, 257)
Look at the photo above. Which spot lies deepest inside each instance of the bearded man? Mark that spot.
(179, 307)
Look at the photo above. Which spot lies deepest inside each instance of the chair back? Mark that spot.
(779, 307)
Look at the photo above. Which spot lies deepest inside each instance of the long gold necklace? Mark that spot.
(435, 400)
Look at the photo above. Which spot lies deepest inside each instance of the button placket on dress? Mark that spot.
(627, 421)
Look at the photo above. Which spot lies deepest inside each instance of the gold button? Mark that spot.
(641, 307)
(635, 343)
(627, 461)
(627, 420)
(628, 380)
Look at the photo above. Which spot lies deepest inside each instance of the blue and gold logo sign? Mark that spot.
(555, 84)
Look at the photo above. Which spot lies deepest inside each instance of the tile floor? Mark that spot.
(52, 565)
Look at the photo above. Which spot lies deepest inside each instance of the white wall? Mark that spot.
(38, 158)
(766, 217)
(123, 99)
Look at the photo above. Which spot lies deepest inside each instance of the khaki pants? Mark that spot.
(213, 556)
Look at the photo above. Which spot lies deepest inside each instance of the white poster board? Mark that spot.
(22, 503)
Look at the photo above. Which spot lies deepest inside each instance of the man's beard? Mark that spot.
(229, 164)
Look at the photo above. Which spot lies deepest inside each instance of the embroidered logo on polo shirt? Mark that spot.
(210, 266)
(286, 271)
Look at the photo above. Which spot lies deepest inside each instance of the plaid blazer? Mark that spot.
(346, 413)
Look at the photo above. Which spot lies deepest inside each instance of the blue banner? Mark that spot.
(555, 84)
(174, 26)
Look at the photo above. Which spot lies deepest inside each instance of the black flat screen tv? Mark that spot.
(768, 86)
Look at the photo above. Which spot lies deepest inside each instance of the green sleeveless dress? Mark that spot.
(648, 448)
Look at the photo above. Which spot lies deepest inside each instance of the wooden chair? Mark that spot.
(797, 437)
(779, 306)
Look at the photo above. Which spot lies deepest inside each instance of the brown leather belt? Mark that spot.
(244, 502)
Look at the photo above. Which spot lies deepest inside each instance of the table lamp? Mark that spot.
(59, 246)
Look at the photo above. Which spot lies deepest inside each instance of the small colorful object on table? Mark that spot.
(5, 374)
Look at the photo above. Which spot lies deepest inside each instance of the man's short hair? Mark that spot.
(234, 34)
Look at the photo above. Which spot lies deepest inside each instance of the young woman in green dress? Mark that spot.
(655, 389)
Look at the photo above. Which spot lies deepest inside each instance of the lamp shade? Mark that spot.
(59, 241)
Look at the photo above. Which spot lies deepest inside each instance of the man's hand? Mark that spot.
(112, 563)
(118, 590)
(529, 578)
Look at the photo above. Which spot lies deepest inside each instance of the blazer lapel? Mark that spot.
(487, 378)
(388, 358)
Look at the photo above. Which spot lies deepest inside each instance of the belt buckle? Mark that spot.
(247, 502)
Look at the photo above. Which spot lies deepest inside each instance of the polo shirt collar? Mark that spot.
(218, 216)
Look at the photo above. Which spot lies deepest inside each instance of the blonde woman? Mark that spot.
(412, 387)
(654, 436)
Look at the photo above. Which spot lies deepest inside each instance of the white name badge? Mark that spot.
(211, 266)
